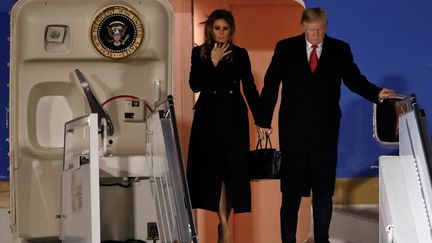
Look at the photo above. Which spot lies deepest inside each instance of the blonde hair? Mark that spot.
(313, 14)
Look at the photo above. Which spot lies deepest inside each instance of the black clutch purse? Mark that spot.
(264, 162)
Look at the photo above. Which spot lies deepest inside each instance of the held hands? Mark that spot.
(218, 52)
(262, 132)
(384, 93)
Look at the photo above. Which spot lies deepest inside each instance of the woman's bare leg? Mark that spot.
(223, 214)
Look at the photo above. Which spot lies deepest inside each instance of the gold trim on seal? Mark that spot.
(117, 32)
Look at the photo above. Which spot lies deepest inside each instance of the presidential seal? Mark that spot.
(117, 32)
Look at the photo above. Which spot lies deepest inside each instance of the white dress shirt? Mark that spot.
(309, 49)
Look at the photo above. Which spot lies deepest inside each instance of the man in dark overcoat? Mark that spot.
(311, 67)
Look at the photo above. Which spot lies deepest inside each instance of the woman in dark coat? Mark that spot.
(217, 169)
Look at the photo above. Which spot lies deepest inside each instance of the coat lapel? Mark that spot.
(302, 53)
(324, 53)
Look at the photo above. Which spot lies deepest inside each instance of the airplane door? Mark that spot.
(59, 50)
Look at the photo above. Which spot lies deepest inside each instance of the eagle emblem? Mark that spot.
(117, 32)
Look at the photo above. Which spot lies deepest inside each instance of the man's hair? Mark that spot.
(313, 14)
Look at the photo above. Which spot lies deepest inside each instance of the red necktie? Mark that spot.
(313, 60)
